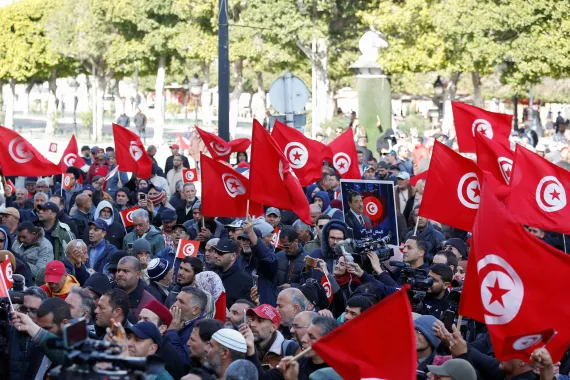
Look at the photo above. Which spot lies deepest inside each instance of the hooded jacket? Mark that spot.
(153, 236)
(115, 231)
(325, 252)
(37, 255)
(327, 209)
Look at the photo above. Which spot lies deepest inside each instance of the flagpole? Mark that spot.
(416, 228)
(459, 319)
(247, 208)
(563, 239)
(62, 180)
(6, 288)
(301, 354)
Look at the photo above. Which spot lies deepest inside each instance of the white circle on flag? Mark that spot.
(371, 208)
(528, 341)
(9, 272)
(188, 249)
(189, 175)
(341, 162)
(502, 290)
(69, 159)
(297, 154)
(506, 167)
(550, 194)
(18, 151)
(136, 152)
(469, 191)
(53, 147)
(482, 126)
(129, 216)
(66, 181)
(233, 185)
(219, 149)
(328, 288)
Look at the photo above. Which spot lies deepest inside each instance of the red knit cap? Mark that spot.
(160, 310)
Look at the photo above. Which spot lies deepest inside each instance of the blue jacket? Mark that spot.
(325, 252)
(262, 262)
(179, 338)
(327, 209)
(432, 237)
(113, 182)
(104, 257)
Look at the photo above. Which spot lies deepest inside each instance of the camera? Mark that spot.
(356, 250)
(417, 279)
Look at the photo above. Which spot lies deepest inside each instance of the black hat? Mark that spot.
(49, 206)
(316, 294)
(115, 257)
(99, 283)
(85, 147)
(226, 246)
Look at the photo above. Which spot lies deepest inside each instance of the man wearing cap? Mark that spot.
(175, 150)
(369, 173)
(270, 344)
(227, 346)
(404, 191)
(58, 281)
(426, 341)
(118, 180)
(175, 173)
(100, 250)
(59, 234)
(86, 154)
(97, 284)
(99, 167)
(10, 217)
(179, 232)
(273, 217)
(160, 275)
(403, 166)
(157, 314)
(235, 229)
(31, 215)
(237, 281)
(128, 278)
(258, 257)
(141, 250)
(168, 221)
(355, 217)
(459, 247)
(454, 369)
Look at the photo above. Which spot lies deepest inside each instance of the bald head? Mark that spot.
(83, 202)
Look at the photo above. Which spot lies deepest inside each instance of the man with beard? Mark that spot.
(100, 250)
(114, 304)
(291, 259)
(200, 340)
(189, 268)
(129, 279)
(227, 346)
(179, 232)
(160, 274)
(234, 317)
(270, 344)
(122, 199)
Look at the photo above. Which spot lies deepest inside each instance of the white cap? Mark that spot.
(403, 175)
(231, 339)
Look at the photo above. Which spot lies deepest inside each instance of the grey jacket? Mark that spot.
(37, 255)
(153, 236)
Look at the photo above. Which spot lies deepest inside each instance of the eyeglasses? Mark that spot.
(335, 239)
(298, 327)
(25, 310)
(2, 240)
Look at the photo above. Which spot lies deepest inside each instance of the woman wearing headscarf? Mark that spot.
(212, 284)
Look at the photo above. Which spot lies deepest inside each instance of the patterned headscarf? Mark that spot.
(211, 283)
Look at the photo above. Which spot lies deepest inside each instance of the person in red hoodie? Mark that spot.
(58, 281)
(420, 153)
(99, 167)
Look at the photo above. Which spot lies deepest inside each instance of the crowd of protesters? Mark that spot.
(252, 298)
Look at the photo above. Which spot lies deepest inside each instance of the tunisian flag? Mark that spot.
(127, 216)
(6, 279)
(517, 301)
(272, 182)
(344, 156)
(494, 158)
(388, 353)
(304, 154)
(131, 154)
(227, 191)
(187, 248)
(221, 149)
(19, 158)
(468, 119)
(71, 156)
(452, 191)
(538, 192)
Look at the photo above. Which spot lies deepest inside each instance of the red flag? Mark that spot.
(187, 248)
(189, 175)
(304, 154)
(380, 353)
(538, 192)
(183, 141)
(53, 147)
(227, 191)
(328, 288)
(272, 180)
(10, 188)
(19, 158)
(67, 180)
(71, 156)
(221, 149)
(6, 278)
(131, 155)
(494, 158)
(452, 191)
(468, 119)
(415, 179)
(344, 156)
(127, 216)
(505, 291)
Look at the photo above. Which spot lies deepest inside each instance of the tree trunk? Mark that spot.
(234, 97)
(206, 94)
(51, 120)
(159, 102)
(119, 103)
(101, 84)
(449, 95)
(477, 90)
(27, 99)
(9, 119)
(258, 100)
(322, 97)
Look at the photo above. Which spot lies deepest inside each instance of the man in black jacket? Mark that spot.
(435, 302)
(237, 282)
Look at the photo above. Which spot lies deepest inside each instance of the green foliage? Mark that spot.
(86, 119)
(416, 121)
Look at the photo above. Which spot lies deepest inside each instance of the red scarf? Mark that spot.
(346, 279)
(157, 199)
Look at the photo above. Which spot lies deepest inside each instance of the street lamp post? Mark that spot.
(73, 83)
(186, 86)
(438, 90)
(196, 91)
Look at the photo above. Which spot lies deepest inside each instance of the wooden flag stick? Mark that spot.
(459, 319)
(416, 228)
(301, 354)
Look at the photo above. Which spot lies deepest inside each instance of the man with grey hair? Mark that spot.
(42, 186)
(241, 370)
(301, 324)
(81, 304)
(75, 259)
(303, 231)
(209, 258)
(20, 200)
(184, 210)
(144, 230)
(128, 279)
(188, 309)
(31, 215)
(290, 302)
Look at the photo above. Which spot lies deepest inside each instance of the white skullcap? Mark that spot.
(231, 339)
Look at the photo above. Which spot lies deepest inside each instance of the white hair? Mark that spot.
(140, 213)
